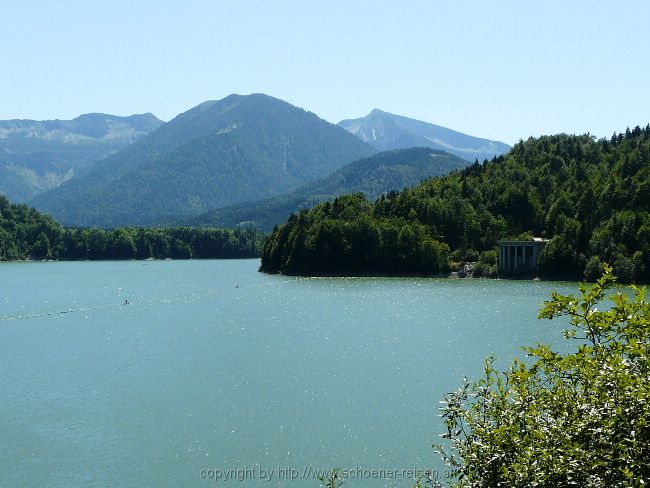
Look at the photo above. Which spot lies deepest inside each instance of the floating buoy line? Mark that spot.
(127, 303)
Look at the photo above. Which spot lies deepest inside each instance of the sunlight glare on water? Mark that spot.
(214, 366)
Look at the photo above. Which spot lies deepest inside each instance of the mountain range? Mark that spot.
(373, 176)
(36, 156)
(245, 159)
(217, 154)
(386, 131)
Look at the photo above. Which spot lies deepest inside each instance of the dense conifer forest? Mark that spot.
(590, 197)
(28, 234)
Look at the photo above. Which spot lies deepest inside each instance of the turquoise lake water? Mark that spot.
(197, 379)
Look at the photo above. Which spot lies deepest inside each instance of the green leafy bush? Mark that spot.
(486, 266)
(580, 419)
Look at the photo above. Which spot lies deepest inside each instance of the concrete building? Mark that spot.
(519, 256)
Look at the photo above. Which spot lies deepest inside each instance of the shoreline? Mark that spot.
(28, 260)
(450, 276)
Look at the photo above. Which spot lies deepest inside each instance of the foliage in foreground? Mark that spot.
(580, 419)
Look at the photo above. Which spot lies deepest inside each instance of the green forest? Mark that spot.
(590, 197)
(28, 234)
(218, 153)
(373, 176)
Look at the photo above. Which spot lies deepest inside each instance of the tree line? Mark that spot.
(590, 197)
(28, 234)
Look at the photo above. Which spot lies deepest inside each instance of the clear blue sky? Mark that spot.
(498, 69)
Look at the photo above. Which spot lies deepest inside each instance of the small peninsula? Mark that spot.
(590, 198)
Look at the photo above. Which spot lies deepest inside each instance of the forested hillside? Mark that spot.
(591, 197)
(219, 153)
(373, 176)
(28, 234)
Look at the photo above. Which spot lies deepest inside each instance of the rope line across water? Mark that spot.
(89, 308)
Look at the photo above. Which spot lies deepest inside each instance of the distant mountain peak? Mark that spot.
(38, 155)
(386, 131)
(219, 153)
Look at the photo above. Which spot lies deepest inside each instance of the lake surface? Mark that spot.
(196, 376)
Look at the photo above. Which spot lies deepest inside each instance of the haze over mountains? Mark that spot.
(373, 176)
(245, 159)
(386, 131)
(36, 156)
(216, 154)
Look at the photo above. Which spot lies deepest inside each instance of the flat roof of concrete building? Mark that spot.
(535, 240)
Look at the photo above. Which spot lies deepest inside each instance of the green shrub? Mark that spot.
(580, 419)
(487, 265)
(593, 269)
(471, 255)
